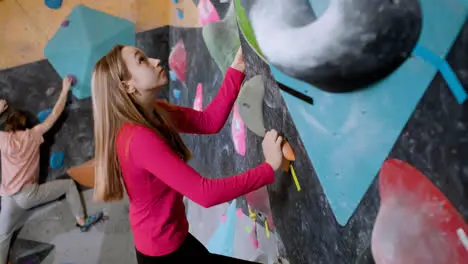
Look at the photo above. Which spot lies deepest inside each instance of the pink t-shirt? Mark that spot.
(20, 160)
(156, 179)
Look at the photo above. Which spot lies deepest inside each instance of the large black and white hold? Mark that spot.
(353, 44)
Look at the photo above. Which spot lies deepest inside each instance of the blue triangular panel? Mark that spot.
(348, 136)
(222, 241)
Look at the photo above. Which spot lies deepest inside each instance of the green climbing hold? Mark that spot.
(222, 39)
(250, 104)
(246, 28)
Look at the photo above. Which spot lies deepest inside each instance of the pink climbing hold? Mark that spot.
(207, 12)
(238, 132)
(239, 213)
(253, 235)
(223, 219)
(178, 60)
(198, 102)
(73, 79)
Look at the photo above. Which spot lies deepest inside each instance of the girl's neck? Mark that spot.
(146, 102)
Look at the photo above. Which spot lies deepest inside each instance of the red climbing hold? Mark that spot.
(416, 222)
(178, 60)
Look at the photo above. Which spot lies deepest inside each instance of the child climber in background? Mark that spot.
(19, 188)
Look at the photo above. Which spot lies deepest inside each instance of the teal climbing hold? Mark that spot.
(90, 34)
(172, 75)
(42, 115)
(54, 4)
(180, 13)
(176, 93)
(56, 160)
(175, 1)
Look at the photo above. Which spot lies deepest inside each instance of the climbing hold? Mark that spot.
(238, 132)
(73, 79)
(366, 51)
(253, 234)
(56, 160)
(53, 4)
(294, 176)
(42, 115)
(267, 230)
(222, 241)
(207, 12)
(418, 216)
(180, 13)
(198, 102)
(250, 103)
(175, 1)
(288, 153)
(178, 60)
(222, 39)
(239, 213)
(83, 174)
(285, 164)
(172, 75)
(176, 93)
(65, 23)
(67, 44)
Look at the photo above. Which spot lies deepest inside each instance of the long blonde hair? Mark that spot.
(112, 107)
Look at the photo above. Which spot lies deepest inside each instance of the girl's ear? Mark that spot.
(130, 89)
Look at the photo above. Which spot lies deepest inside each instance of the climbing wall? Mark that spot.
(342, 124)
(360, 135)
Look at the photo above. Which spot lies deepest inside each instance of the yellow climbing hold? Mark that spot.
(293, 173)
(267, 230)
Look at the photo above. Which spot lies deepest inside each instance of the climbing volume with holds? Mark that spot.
(351, 45)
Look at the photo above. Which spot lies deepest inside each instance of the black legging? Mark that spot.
(191, 251)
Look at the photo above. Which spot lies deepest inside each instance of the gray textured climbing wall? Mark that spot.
(433, 140)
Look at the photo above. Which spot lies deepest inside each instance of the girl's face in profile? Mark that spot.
(146, 73)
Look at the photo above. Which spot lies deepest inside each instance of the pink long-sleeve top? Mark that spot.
(156, 179)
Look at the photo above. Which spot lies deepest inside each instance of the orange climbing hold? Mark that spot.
(83, 174)
(288, 153)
